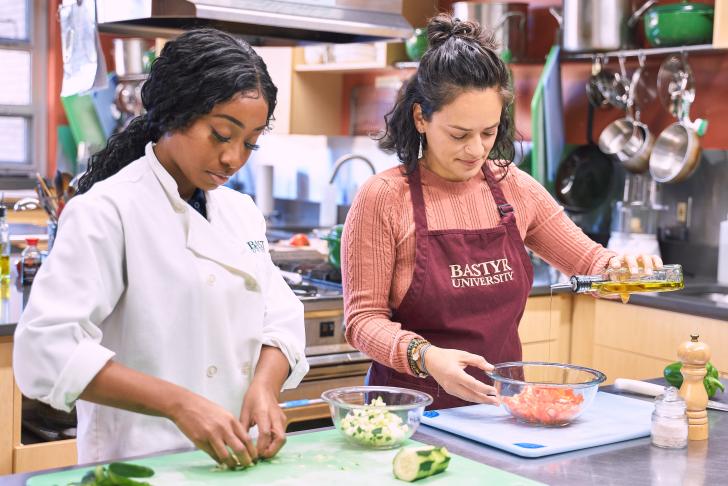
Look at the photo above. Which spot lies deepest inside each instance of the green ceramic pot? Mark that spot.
(417, 44)
(334, 243)
(679, 24)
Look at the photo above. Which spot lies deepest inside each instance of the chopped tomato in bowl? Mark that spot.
(547, 394)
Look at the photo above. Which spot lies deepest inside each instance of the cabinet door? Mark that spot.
(545, 329)
(279, 61)
(631, 341)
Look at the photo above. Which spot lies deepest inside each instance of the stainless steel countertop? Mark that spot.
(624, 463)
(632, 462)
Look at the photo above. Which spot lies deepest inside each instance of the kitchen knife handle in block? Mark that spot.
(639, 387)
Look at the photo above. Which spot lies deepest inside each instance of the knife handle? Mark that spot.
(300, 403)
(639, 387)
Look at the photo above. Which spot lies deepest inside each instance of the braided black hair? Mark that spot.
(461, 56)
(194, 72)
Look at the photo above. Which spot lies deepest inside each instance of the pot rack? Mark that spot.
(652, 51)
(576, 56)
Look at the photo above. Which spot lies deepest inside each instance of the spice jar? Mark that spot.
(670, 421)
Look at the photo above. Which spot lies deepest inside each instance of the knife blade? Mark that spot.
(653, 389)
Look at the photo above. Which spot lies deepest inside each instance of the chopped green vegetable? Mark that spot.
(413, 463)
(131, 470)
(374, 426)
(116, 474)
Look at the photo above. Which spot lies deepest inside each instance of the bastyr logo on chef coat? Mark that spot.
(492, 272)
(256, 246)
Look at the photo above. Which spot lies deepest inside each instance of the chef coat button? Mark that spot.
(211, 371)
(211, 279)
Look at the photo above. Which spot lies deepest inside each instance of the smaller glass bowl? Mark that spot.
(547, 394)
(376, 417)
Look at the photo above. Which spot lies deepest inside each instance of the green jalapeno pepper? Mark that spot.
(711, 381)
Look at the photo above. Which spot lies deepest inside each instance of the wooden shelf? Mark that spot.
(522, 62)
(386, 54)
(651, 51)
(339, 67)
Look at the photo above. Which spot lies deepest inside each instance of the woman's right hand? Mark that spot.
(213, 429)
(447, 367)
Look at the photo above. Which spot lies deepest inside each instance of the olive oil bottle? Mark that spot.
(4, 244)
(623, 283)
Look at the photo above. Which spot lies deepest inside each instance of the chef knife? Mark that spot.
(652, 390)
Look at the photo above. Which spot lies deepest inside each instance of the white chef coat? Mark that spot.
(138, 275)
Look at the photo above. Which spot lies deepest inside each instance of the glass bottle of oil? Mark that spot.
(622, 282)
(4, 244)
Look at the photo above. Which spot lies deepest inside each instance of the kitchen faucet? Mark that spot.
(346, 158)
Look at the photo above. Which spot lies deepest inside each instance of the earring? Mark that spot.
(420, 151)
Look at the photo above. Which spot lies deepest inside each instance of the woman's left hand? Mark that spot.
(635, 263)
(260, 407)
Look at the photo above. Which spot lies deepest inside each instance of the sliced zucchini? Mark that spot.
(413, 463)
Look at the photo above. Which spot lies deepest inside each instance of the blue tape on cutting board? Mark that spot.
(527, 445)
(431, 414)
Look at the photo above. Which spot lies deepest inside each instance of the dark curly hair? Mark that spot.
(461, 56)
(194, 72)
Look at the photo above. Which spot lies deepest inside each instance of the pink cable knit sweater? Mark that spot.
(378, 245)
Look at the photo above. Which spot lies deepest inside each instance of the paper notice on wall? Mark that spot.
(84, 67)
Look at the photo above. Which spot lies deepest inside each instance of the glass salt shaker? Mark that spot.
(670, 420)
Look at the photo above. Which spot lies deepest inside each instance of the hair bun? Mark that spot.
(443, 26)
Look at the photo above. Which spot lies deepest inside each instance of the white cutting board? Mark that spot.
(611, 418)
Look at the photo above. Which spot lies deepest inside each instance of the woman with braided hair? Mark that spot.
(436, 273)
(159, 314)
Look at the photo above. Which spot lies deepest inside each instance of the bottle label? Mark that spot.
(29, 271)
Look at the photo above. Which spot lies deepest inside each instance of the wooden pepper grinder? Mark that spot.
(694, 356)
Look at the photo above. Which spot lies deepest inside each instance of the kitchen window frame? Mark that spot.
(36, 113)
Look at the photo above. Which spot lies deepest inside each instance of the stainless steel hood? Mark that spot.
(261, 22)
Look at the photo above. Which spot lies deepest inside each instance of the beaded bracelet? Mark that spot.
(415, 345)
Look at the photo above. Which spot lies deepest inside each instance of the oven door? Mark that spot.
(327, 371)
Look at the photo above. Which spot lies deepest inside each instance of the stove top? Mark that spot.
(318, 280)
(311, 289)
(312, 270)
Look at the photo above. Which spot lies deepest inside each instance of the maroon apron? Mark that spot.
(468, 292)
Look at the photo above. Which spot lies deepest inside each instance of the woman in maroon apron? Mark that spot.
(469, 286)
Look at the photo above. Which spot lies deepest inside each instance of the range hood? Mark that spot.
(261, 22)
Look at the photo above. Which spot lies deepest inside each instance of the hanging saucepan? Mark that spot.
(676, 153)
(584, 178)
(599, 78)
(628, 138)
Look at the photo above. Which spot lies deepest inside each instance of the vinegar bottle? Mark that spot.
(30, 260)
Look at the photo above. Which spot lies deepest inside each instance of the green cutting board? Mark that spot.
(317, 459)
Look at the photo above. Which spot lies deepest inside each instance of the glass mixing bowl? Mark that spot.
(376, 417)
(548, 394)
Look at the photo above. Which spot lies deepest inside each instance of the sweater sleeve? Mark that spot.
(368, 261)
(556, 239)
